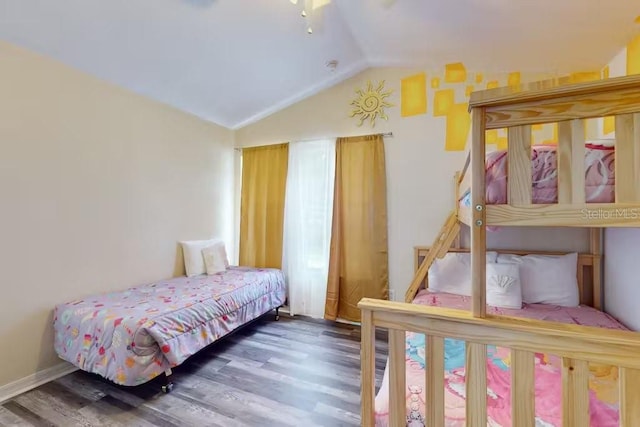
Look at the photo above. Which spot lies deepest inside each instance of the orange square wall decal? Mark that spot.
(414, 95)
(633, 56)
(455, 73)
(458, 126)
(442, 102)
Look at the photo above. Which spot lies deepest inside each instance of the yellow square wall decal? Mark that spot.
(633, 56)
(442, 102)
(492, 84)
(435, 82)
(605, 72)
(514, 79)
(491, 136)
(503, 143)
(479, 78)
(585, 76)
(468, 91)
(458, 126)
(455, 73)
(609, 125)
(414, 95)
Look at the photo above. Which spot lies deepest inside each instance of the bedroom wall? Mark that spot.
(97, 187)
(419, 169)
(622, 246)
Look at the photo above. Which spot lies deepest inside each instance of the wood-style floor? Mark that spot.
(293, 372)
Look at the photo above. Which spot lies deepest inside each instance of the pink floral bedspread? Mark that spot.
(548, 384)
(599, 175)
(130, 337)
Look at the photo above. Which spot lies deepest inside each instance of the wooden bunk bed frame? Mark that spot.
(517, 108)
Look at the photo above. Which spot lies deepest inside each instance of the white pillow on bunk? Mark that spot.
(192, 253)
(547, 279)
(215, 258)
(504, 289)
(452, 273)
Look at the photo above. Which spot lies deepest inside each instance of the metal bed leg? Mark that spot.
(168, 385)
(277, 313)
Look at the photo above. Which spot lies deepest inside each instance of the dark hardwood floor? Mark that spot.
(293, 372)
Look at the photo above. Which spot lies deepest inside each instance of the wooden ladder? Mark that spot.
(447, 234)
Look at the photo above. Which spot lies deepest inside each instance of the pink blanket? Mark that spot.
(599, 175)
(548, 384)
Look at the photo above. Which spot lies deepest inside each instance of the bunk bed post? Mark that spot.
(478, 207)
(596, 251)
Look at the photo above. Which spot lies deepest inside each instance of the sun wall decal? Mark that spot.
(370, 103)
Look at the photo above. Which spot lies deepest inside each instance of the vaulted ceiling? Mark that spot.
(235, 61)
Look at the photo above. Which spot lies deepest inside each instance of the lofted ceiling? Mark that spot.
(233, 62)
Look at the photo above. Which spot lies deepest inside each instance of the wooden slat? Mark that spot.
(476, 384)
(519, 165)
(397, 379)
(547, 89)
(554, 110)
(522, 389)
(629, 397)
(367, 367)
(598, 345)
(575, 393)
(478, 208)
(627, 158)
(441, 239)
(596, 250)
(571, 151)
(586, 215)
(435, 381)
(464, 215)
(454, 232)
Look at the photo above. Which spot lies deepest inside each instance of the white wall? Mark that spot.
(97, 186)
(419, 171)
(622, 275)
(621, 249)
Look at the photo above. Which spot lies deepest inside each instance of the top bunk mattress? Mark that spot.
(131, 336)
(599, 175)
(548, 371)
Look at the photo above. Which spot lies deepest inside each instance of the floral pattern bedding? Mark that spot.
(131, 336)
(599, 175)
(548, 384)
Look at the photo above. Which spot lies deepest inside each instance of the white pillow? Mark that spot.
(504, 288)
(547, 279)
(215, 258)
(193, 259)
(452, 273)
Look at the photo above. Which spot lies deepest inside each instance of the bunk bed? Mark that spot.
(443, 321)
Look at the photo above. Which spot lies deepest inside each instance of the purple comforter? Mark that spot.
(130, 337)
(599, 175)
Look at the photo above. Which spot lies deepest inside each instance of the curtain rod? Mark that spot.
(387, 134)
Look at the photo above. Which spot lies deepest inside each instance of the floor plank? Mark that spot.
(294, 372)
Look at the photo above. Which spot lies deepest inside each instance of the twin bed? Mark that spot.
(132, 336)
(603, 379)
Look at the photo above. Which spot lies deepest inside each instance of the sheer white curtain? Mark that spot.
(307, 224)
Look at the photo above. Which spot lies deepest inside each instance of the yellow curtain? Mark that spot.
(264, 177)
(358, 264)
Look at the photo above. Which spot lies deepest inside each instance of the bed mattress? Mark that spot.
(130, 337)
(599, 176)
(548, 384)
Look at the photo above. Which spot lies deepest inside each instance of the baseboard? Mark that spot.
(32, 381)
